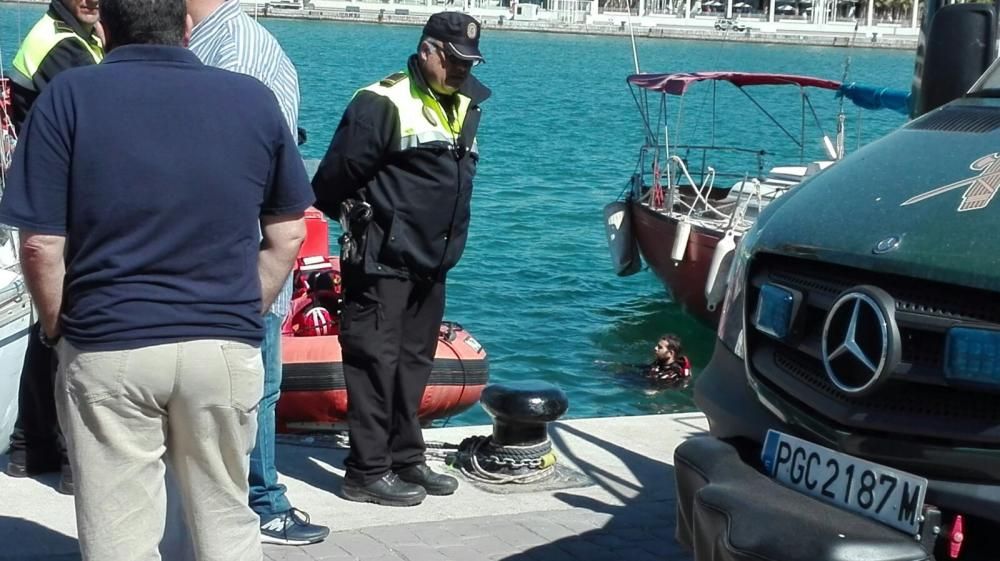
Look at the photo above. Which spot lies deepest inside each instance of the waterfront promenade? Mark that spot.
(701, 28)
(787, 31)
(621, 507)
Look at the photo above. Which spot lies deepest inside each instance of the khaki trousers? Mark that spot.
(126, 414)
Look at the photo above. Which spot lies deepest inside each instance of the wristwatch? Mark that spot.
(49, 342)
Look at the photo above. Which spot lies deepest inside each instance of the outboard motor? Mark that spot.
(957, 44)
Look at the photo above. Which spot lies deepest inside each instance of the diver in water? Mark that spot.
(670, 366)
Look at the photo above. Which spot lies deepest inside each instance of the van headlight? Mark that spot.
(730, 330)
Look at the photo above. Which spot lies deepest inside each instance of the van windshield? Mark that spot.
(989, 84)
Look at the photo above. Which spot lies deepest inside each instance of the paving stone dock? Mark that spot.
(624, 511)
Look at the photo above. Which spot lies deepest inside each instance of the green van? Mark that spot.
(853, 397)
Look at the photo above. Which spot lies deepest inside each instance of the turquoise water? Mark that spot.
(559, 139)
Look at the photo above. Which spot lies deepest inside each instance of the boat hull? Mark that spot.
(685, 280)
(314, 391)
(313, 388)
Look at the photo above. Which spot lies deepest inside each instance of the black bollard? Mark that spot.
(521, 411)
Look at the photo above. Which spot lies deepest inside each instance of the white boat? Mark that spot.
(16, 314)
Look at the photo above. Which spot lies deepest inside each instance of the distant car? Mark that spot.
(726, 24)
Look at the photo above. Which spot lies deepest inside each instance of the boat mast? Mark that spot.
(631, 32)
(840, 149)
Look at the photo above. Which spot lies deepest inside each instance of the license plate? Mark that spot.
(892, 497)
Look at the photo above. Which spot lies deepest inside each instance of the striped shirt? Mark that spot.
(232, 40)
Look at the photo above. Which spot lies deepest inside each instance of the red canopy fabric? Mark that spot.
(677, 84)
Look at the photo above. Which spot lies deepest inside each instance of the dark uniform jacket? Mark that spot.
(420, 195)
(68, 53)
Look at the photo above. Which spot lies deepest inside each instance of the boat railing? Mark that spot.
(701, 203)
(701, 192)
(15, 300)
(13, 294)
(9, 259)
(15, 291)
(719, 158)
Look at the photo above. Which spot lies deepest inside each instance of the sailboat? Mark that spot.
(687, 205)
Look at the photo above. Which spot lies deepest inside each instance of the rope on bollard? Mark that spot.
(479, 458)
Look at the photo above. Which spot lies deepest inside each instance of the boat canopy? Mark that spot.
(678, 83)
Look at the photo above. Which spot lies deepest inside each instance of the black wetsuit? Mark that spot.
(676, 372)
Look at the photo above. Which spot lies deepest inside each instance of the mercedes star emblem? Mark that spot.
(860, 340)
(886, 245)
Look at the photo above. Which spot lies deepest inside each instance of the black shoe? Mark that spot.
(388, 490)
(17, 463)
(66, 485)
(434, 483)
(291, 528)
(21, 463)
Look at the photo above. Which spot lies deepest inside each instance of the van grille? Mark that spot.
(916, 400)
(959, 119)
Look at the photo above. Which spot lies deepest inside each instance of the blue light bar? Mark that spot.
(775, 311)
(972, 355)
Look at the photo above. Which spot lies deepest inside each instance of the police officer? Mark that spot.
(65, 37)
(406, 146)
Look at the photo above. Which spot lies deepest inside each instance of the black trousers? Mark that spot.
(37, 426)
(389, 333)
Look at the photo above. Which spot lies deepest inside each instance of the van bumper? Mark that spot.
(728, 511)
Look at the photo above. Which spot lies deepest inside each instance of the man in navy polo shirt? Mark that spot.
(141, 189)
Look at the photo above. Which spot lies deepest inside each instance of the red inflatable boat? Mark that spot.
(313, 392)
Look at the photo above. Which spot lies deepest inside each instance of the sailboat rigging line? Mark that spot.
(802, 130)
(858, 147)
(680, 119)
(812, 109)
(715, 100)
(663, 123)
(701, 111)
(660, 119)
(644, 111)
(847, 69)
(769, 116)
(627, 188)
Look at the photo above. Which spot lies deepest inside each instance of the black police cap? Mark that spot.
(459, 31)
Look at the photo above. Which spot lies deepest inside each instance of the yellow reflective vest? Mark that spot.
(42, 38)
(422, 119)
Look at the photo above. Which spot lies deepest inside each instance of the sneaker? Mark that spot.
(291, 527)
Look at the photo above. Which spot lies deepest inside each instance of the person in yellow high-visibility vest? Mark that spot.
(406, 146)
(65, 37)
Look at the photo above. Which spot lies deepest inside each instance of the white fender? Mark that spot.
(681, 236)
(715, 283)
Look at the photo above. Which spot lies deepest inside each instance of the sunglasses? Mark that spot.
(455, 60)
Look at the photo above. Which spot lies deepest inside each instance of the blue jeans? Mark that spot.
(267, 496)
